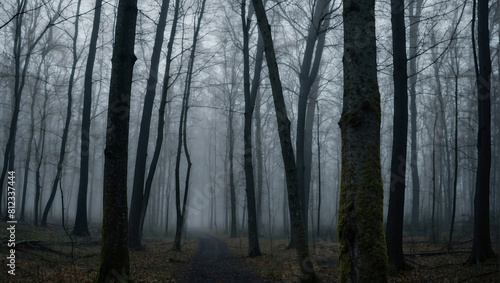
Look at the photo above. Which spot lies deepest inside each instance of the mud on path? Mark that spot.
(214, 263)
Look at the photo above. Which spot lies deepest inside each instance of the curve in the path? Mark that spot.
(214, 263)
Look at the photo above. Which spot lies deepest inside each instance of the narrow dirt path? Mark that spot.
(214, 263)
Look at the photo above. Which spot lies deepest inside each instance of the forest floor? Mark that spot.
(44, 254)
(431, 262)
(214, 263)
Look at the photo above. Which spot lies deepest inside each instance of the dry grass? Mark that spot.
(48, 258)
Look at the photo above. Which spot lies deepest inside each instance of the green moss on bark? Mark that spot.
(370, 199)
(360, 222)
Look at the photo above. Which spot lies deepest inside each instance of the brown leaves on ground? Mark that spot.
(431, 262)
(48, 257)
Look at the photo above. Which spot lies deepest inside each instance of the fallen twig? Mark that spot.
(480, 275)
(438, 253)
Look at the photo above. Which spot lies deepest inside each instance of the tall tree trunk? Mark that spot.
(433, 227)
(308, 137)
(415, 12)
(286, 213)
(19, 82)
(308, 75)
(362, 249)
(260, 162)
(136, 208)
(444, 126)
(395, 214)
(232, 186)
(181, 210)
(456, 74)
(62, 152)
(319, 171)
(307, 273)
(30, 140)
(231, 217)
(259, 58)
(114, 260)
(39, 150)
(253, 234)
(8, 160)
(481, 244)
(81, 224)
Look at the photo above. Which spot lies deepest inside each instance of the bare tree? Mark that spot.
(81, 225)
(253, 235)
(315, 42)
(32, 134)
(415, 12)
(395, 214)
(307, 273)
(114, 259)
(20, 80)
(62, 151)
(481, 244)
(136, 217)
(182, 141)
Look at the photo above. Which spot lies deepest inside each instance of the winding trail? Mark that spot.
(214, 263)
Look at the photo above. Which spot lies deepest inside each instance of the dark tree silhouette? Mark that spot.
(481, 244)
(253, 235)
(138, 190)
(307, 273)
(81, 224)
(114, 260)
(182, 141)
(62, 151)
(394, 228)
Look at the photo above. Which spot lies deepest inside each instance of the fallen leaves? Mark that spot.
(47, 258)
(432, 262)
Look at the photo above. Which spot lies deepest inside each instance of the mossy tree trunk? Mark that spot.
(307, 273)
(362, 250)
(395, 214)
(114, 259)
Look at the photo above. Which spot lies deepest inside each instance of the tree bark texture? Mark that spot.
(362, 249)
(114, 258)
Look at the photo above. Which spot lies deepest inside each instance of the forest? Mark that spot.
(250, 141)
